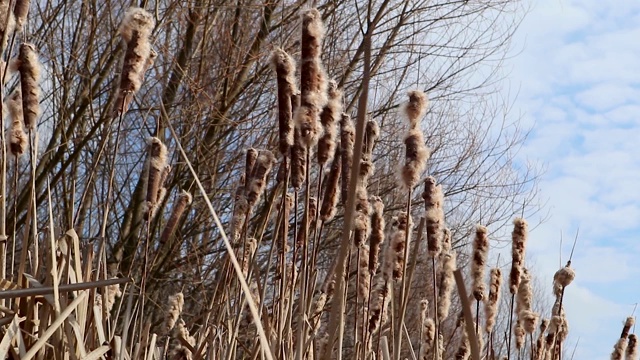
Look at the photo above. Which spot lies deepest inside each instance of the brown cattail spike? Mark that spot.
(394, 266)
(183, 200)
(347, 140)
(632, 348)
(135, 30)
(18, 138)
(519, 241)
(176, 303)
(447, 283)
(285, 68)
(434, 216)
(331, 190)
(7, 24)
(157, 163)
(493, 300)
(20, 11)
(417, 153)
(258, 181)
(329, 117)
(377, 233)
(298, 161)
(29, 68)
(478, 263)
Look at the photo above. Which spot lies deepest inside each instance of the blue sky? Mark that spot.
(576, 66)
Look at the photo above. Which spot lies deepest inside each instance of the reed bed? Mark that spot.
(275, 290)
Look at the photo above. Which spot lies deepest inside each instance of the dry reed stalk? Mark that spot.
(347, 140)
(29, 68)
(285, 68)
(135, 31)
(17, 137)
(329, 118)
(632, 348)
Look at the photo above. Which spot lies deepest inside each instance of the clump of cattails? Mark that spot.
(135, 31)
(478, 262)
(313, 83)
(285, 68)
(329, 118)
(434, 215)
(416, 152)
(18, 137)
(347, 140)
(176, 303)
(519, 241)
(157, 163)
(491, 305)
(29, 68)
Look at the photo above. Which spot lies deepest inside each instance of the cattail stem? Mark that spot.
(435, 307)
(404, 289)
(510, 325)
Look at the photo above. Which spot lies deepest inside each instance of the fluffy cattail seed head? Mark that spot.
(18, 138)
(258, 181)
(519, 333)
(176, 303)
(491, 305)
(529, 320)
(157, 163)
(8, 23)
(478, 263)
(447, 284)
(434, 216)
(395, 256)
(428, 340)
(564, 276)
(298, 160)
(377, 233)
(347, 140)
(20, 11)
(372, 133)
(363, 272)
(285, 68)
(416, 107)
(519, 241)
(331, 190)
(524, 296)
(29, 68)
(632, 348)
(627, 326)
(416, 156)
(180, 205)
(329, 118)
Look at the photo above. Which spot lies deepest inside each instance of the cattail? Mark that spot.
(347, 140)
(362, 222)
(563, 329)
(330, 200)
(464, 349)
(491, 305)
(184, 199)
(379, 304)
(309, 217)
(258, 181)
(329, 118)
(447, 284)
(519, 241)
(247, 255)
(416, 107)
(111, 292)
(529, 320)
(524, 297)
(446, 240)
(298, 160)
(183, 332)
(157, 162)
(135, 30)
(627, 326)
(249, 162)
(429, 334)
(7, 24)
(434, 215)
(285, 68)
(20, 12)
(377, 233)
(518, 332)
(619, 349)
(417, 153)
(17, 138)
(478, 263)
(372, 131)
(240, 211)
(395, 252)
(562, 278)
(632, 348)
(176, 303)
(540, 344)
(162, 191)
(364, 278)
(29, 67)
